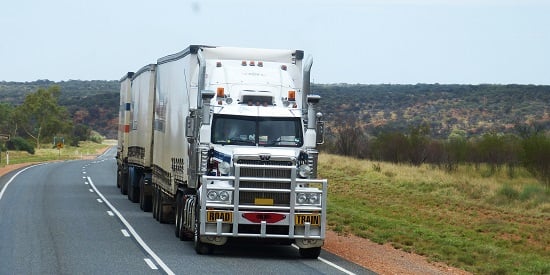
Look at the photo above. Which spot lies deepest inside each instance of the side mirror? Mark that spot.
(190, 127)
(320, 129)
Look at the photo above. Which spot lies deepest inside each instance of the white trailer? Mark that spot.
(140, 140)
(234, 148)
(123, 130)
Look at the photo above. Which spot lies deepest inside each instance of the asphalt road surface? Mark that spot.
(70, 218)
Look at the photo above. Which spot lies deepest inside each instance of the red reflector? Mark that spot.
(267, 217)
(127, 128)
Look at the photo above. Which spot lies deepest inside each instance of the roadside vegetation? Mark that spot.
(49, 153)
(483, 221)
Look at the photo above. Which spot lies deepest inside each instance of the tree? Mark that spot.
(6, 114)
(40, 116)
(536, 157)
(419, 139)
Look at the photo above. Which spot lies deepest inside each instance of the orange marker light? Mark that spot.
(283, 67)
(291, 95)
(220, 92)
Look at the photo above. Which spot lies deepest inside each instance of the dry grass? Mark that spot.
(85, 149)
(480, 221)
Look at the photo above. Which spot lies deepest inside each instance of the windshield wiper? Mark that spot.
(235, 140)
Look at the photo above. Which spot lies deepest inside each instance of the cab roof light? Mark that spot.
(220, 92)
(252, 63)
(283, 67)
(291, 95)
(243, 63)
(260, 63)
(218, 64)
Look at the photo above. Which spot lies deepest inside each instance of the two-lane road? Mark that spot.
(70, 218)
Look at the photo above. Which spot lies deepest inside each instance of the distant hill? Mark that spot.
(93, 103)
(474, 109)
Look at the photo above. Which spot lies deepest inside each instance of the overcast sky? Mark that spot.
(351, 41)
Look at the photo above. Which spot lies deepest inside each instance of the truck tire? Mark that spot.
(155, 203)
(118, 177)
(133, 190)
(310, 253)
(200, 247)
(124, 183)
(159, 212)
(181, 232)
(145, 202)
(179, 211)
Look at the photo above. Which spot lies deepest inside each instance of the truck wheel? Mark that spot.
(200, 247)
(144, 201)
(118, 177)
(133, 190)
(184, 234)
(179, 207)
(155, 203)
(124, 183)
(310, 253)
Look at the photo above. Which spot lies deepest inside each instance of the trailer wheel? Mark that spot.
(183, 233)
(144, 201)
(123, 183)
(133, 192)
(118, 177)
(200, 247)
(179, 207)
(155, 202)
(310, 253)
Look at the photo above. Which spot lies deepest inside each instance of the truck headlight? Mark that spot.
(219, 196)
(224, 168)
(301, 198)
(304, 171)
(308, 198)
(224, 195)
(212, 195)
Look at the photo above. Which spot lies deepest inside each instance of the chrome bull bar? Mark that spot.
(282, 193)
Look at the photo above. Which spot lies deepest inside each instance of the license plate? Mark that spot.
(225, 216)
(263, 201)
(313, 219)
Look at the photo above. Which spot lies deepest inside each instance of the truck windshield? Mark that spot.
(252, 131)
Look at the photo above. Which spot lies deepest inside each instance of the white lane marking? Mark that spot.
(125, 233)
(99, 200)
(110, 213)
(86, 182)
(150, 264)
(136, 236)
(335, 266)
(83, 172)
(91, 190)
(14, 176)
(330, 263)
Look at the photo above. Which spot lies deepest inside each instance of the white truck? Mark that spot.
(234, 152)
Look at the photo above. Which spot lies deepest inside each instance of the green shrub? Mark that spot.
(509, 192)
(20, 144)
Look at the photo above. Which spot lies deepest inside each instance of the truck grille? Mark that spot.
(279, 199)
